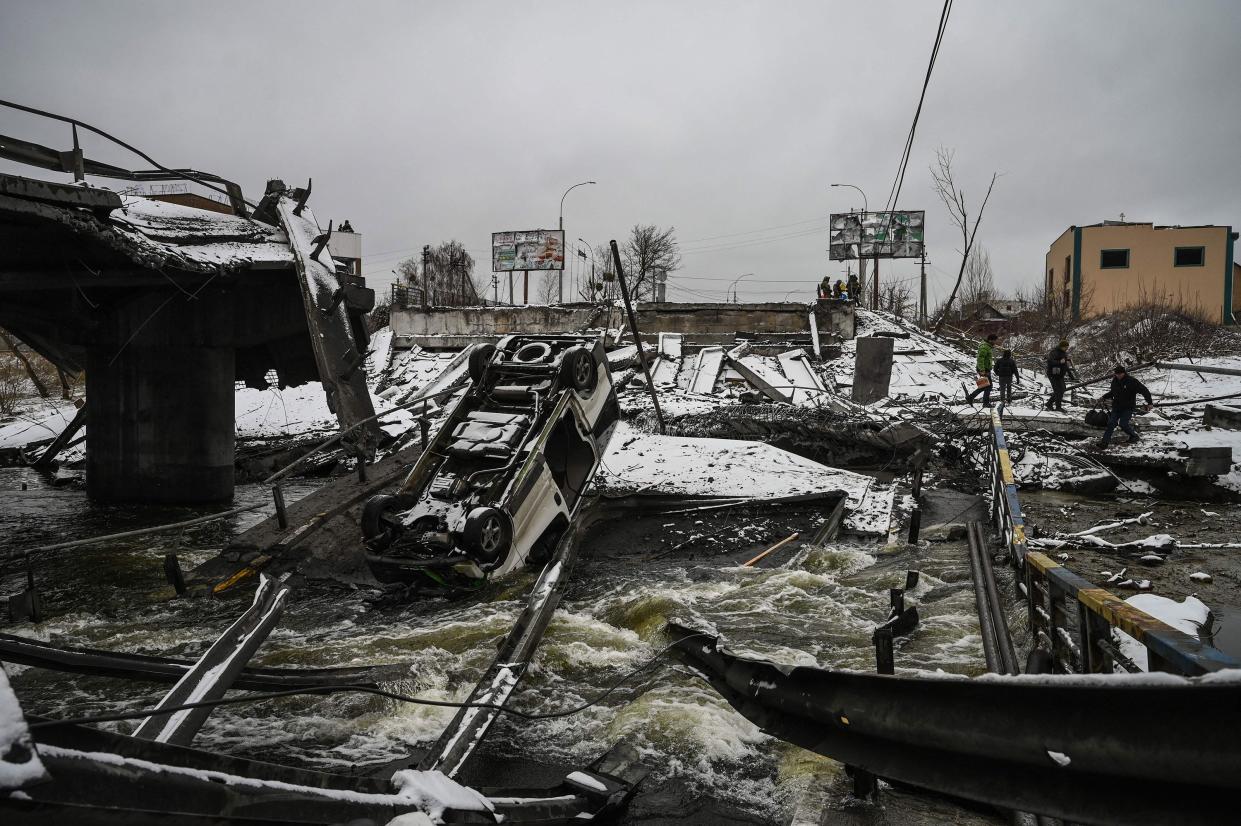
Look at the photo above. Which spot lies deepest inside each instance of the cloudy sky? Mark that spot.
(424, 121)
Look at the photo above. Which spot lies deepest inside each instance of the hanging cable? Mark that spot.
(894, 193)
(358, 689)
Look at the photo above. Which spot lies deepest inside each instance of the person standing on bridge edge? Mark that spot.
(825, 287)
(984, 365)
(1059, 369)
(1006, 371)
(1124, 398)
(855, 287)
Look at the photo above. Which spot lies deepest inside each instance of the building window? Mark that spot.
(1113, 259)
(1189, 257)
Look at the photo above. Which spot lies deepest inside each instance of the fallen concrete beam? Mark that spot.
(1198, 368)
(1218, 415)
(337, 355)
(801, 376)
(707, 369)
(766, 384)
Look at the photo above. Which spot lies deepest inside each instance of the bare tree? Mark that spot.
(954, 198)
(549, 287)
(897, 298)
(598, 285)
(648, 250)
(445, 271)
(30, 371)
(979, 284)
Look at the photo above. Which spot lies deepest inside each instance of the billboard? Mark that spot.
(877, 234)
(532, 249)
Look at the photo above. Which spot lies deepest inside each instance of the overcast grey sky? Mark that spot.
(425, 121)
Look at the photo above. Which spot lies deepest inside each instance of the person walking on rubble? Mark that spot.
(1124, 398)
(1006, 371)
(1059, 370)
(984, 365)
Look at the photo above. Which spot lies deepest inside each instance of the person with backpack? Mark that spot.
(855, 288)
(1124, 398)
(984, 364)
(1059, 369)
(1006, 371)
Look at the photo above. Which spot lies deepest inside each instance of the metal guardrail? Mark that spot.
(1070, 617)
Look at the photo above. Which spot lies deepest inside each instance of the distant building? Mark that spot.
(1104, 267)
(346, 246)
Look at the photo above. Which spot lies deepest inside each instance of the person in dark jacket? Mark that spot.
(1006, 371)
(1124, 399)
(984, 364)
(855, 288)
(1059, 369)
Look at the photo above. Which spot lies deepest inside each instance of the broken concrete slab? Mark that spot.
(1218, 415)
(872, 372)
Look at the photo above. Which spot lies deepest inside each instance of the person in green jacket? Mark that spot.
(984, 365)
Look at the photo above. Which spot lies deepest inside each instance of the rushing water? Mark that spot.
(709, 764)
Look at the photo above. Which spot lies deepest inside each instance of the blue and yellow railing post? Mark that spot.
(1071, 616)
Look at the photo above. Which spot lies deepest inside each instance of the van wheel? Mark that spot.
(488, 534)
(377, 530)
(480, 356)
(578, 369)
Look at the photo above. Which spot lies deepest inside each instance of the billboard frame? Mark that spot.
(868, 235)
(513, 248)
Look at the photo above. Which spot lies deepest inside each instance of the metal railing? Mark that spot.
(1071, 618)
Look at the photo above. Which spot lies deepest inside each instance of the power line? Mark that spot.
(894, 193)
(753, 231)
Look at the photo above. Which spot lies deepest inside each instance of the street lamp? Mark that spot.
(560, 277)
(733, 286)
(865, 207)
(875, 277)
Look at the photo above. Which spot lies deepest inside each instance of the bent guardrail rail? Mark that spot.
(1061, 746)
(1071, 617)
(216, 670)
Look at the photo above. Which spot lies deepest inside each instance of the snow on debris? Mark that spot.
(199, 236)
(434, 792)
(687, 466)
(20, 764)
(1190, 616)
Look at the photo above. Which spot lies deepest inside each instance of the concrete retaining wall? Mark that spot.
(453, 324)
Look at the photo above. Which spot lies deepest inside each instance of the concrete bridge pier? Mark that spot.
(160, 403)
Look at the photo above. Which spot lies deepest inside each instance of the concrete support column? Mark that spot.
(161, 423)
(872, 371)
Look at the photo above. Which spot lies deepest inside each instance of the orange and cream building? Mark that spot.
(1103, 267)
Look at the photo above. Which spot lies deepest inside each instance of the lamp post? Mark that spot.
(733, 286)
(560, 275)
(875, 279)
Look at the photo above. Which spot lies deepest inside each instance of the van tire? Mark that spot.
(377, 531)
(480, 356)
(488, 535)
(578, 370)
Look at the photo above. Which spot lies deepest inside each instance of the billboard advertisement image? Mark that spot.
(877, 234)
(533, 249)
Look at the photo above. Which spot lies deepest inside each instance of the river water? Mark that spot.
(708, 763)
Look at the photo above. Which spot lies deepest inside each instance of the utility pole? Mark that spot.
(922, 292)
(874, 300)
(426, 283)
